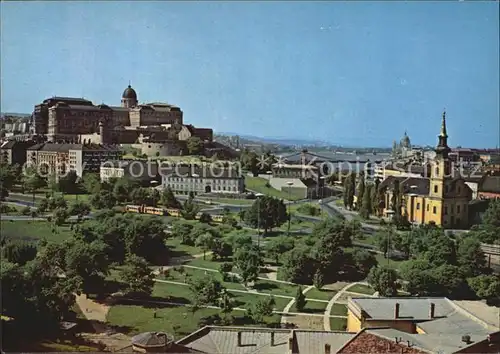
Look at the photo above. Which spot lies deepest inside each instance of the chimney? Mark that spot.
(272, 339)
(239, 339)
(432, 310)
(396, 310)
(328, 349)
(290, 345)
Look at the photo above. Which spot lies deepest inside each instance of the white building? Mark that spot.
(183, 179)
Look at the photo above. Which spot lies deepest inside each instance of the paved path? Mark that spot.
(91, 309)
(284, 318)
(333, 300)
(236, 274)
(254, 292)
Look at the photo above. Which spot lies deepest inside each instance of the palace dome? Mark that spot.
(129, 93)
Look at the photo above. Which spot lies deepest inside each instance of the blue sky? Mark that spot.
(358, 73)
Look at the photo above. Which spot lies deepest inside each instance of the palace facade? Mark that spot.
(78, 120)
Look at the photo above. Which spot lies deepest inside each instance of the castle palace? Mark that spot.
(77, 120)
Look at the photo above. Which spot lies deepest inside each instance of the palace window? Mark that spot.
(445, 210)
(418, 206)
(435, 189)
(434, 210)
(437, 171)
(458, 209)
(427, 207)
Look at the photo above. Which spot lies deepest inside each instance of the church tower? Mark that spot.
(441, 170)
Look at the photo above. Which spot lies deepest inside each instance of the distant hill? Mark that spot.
(11, 114)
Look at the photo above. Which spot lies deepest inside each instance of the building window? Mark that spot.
(434, 210)
(418, 206)
(435, 189)
(458, 209)
(427, 207)
(445, 210)
(459, 190)
(437, 171)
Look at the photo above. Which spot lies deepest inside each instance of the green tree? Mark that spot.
(221, 249)
(60, 216)
(189, 209)
(383, 280)
(248, 260)
(205, 242)
(123, 189)
(277, 246)
(267, 211)
(102, 200)
(79, 209)
(67, 183)
(19, 252)
(137, 276)
(7, 179)
(206, 290)
(182, 231)
(91, 183)
(300, 300)
(88, 262)
(318, 279)
(168, 199)
(360, 191)
(349, 190)
(298, 266)
(470, 257)
(205, 218)
(364, 261)
(195, 146)
(261, 308)
(32, 180)
(140, 196)
(486, 286)
(366, 203)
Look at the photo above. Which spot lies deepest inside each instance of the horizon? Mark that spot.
(400, 65)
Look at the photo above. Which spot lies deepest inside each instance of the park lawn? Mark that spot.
(176, 320)
(338, 324)
(244, 300)
(34, 231)
(391, 263)
(339, 202)
(339, 310)
(80, 198)
(176, 246)
(199, 273)
(275, 288)
(323, 294)
(204, 263)
(173, 292)
(311, 307)
(362, 289)
(258, 184)
(179, 321)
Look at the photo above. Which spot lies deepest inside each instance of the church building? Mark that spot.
(441, 198)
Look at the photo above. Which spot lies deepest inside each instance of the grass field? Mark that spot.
(179, 250)
(339, 310)
(258, 185)
(389, 262)
(338, 324)
(34, 231)
(362, 289)
(323, 294)
(311, 307)
(193, 272)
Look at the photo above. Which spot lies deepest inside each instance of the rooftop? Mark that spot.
(214, 340)
(490, 184)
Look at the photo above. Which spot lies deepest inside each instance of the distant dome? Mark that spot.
(129, 93)
(405, 141)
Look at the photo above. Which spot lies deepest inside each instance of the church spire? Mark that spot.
(442, 147)
(443, 126)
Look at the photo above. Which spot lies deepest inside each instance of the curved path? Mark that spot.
(287, 308)
(334, 299)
